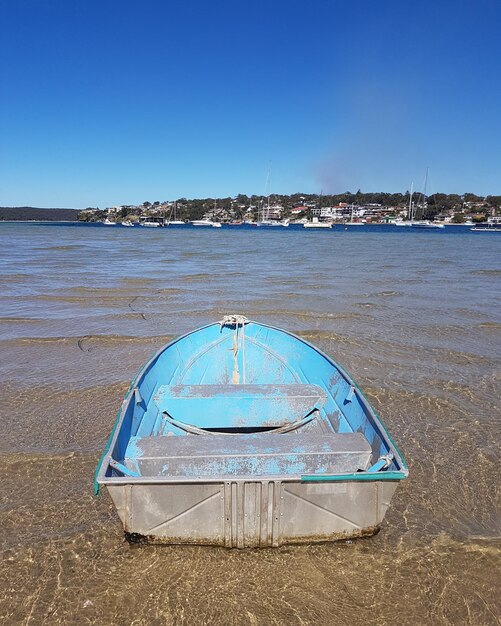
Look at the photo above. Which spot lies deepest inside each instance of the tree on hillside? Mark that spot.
(494, 201)
(471, 197)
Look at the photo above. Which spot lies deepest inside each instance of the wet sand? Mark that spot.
(423, 346)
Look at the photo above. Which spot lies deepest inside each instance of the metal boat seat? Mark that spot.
(248, 455)
(239, 408)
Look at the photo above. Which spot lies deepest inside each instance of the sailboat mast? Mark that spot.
(410, 203)
(268, 192)
(424, 191)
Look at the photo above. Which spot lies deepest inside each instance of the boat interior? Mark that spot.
(245, 400)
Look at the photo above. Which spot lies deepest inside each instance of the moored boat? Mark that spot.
(243, 435)
(206, 222)
(268, 223)
(488, 228)
(426, 224)
(315, 223)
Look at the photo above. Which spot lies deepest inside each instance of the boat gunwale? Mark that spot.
(101, 479)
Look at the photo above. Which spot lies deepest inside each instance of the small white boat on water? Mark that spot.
(108, 222)
(426, 224)
(127, 223)
(150, 224)
(206, 222)
(266, 211)
(422, 223)
(315, 223)
(487, 228)
(173, 221)
(272, 223)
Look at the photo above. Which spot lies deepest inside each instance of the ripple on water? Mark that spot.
(495, 273)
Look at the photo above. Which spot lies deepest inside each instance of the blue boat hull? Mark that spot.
(244, 435)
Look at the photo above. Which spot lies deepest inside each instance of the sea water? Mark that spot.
(413, 315)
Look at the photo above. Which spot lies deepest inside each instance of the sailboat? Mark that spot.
(175, 221)
(424, 223)
(265, 219)
(351, 222)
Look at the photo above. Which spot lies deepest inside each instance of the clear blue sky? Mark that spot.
(115, 102)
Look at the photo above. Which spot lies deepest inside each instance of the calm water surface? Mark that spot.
(414, 316)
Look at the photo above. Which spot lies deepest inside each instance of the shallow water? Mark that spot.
(413, 316)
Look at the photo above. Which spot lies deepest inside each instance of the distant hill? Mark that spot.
(21, 213)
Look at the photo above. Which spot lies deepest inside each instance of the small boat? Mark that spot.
(265, 210)
(352, 222)
(150, 224)
(127, 223)
(315, 223)
(422, 202)
(206, 222)
(426, 224)
(488, 228)
(173, 221)
(108, 222)
(240, 434)
(268, 223)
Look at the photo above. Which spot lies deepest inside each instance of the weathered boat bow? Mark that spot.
(244, 435)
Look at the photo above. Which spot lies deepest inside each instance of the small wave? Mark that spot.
(14, 278)
(350, 315)
(170, 290)
(18, 320)
(62, 248)
(326, 335)
(490, 325)
(196, 277)
(368, 305)
(105, 339)
(138, 281)
(386, 294)
(493, 273)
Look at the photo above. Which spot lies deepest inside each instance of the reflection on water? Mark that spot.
(414, 316)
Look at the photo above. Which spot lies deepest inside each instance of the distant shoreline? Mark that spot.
(38, 221)
(99, 223)
(37, 214)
